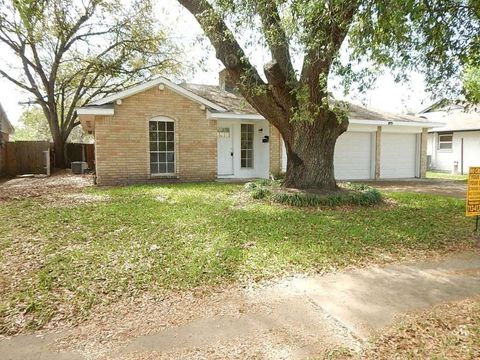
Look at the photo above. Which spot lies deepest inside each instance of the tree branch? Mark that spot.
(325, 41)
(229, 52)
(276, 37)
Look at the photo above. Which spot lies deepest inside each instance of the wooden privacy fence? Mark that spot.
(26, 157)
(81, 152)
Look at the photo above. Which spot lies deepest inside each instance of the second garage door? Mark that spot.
(353, 156)
(398, 156)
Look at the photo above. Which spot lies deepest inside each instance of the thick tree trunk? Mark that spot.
(60, 156)
(310, 151)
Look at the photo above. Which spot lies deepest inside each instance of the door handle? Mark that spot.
(231, 154)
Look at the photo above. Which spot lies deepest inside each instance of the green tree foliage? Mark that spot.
(34, 126)
(471, 83)
(70, 52)
(352, 39)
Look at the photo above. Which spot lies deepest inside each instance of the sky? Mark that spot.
(387, 95)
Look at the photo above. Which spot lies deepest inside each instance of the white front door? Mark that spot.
(225, 150)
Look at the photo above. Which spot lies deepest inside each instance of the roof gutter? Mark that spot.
(235, 116)
(451, 130)
(425, 124)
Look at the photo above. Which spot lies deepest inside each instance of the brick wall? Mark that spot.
(275, 151)
(122, 140)
(3, 153)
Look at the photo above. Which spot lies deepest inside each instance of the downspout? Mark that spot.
(461, 156)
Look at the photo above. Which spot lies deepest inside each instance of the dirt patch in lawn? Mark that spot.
(61, 182)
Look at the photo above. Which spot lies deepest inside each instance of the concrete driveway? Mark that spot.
(457, 189)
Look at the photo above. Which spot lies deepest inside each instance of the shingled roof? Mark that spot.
(237, 104)
(456, 119)
(230, 101)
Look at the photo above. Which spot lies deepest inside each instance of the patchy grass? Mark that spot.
(448, 331)
(445, 176)
(56, 263)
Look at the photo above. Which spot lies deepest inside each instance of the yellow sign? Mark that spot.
(473, 192)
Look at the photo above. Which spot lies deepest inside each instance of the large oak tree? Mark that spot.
(431, 36)
(66, 53)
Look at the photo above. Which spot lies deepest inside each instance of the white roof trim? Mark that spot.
(395, 122)
(229, 115)
(94, 111)
(234, 116)
(150, 84)
(429, 107)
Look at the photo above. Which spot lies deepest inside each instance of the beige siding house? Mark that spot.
(190, 132)
(6, 129)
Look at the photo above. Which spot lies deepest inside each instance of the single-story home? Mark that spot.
(163, 130)
(6, 129)
(454, 146)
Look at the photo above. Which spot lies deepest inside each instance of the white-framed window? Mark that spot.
(445, 141)
(223, 132)
(162, 146)
(246, 145)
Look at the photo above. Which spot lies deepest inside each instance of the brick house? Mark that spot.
(191, 132)
(6, 129)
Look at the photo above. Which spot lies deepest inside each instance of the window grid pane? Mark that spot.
(445, 141)
(246, 140)
(162, 147)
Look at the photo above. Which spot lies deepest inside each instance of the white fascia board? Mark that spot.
(395, 122)
(234, 116)
(368, 122)
(151, 84)
(94, 111)
(424, 124)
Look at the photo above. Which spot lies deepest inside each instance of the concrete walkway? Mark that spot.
(292, 319)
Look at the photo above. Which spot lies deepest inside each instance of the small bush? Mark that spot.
(251, 186)
(268, 182)
(260, 193)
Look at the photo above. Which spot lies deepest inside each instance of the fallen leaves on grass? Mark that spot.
(448, 331)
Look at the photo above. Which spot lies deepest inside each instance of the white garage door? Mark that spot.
(398, 155)
(353, 156)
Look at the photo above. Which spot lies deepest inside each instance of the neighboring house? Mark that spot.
(455, 146)
(6, 129)
(190, 132)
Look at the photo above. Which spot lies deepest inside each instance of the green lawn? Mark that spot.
(61, 259)
(445, 176)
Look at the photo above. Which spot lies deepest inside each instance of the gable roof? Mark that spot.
(4, 121)
(150, 85)
(225, 104)
(443, 104)
(455, 120)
